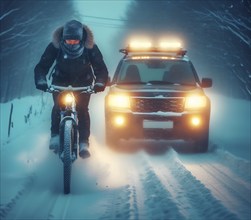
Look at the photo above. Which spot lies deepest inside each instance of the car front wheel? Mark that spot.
(112, 139)
(201, 142)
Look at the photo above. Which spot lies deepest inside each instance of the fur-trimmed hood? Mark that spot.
(57, 35)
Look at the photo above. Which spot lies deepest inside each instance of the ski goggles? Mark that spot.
(72, 42)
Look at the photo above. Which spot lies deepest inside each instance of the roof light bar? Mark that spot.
(135, 45)
(171, 46)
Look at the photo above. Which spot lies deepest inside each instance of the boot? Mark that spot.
(54, 142)
(83, 150)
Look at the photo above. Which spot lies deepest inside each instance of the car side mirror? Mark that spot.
(206, 83)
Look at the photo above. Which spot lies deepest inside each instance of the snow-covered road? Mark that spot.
(127, 186)
(112, 185)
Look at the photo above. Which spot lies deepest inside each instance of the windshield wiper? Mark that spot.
(186, 84)
(159, 82)
(154, 82)
(130, 83)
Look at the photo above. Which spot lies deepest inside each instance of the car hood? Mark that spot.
(156, 90)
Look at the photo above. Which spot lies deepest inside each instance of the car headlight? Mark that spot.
(195, 102)
(119, 101)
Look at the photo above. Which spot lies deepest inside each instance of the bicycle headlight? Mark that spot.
(68, 99)
(119, 101)
(195, 102)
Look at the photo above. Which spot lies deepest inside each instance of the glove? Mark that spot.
(42, 84)
(98, 87)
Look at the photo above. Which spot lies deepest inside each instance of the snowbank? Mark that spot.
(27, 112)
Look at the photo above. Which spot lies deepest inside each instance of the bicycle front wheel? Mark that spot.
(67, 149)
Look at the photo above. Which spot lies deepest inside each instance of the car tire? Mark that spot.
(112, 139)
(201, 142)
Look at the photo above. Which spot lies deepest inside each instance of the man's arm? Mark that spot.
(45, 63)
(98, 65)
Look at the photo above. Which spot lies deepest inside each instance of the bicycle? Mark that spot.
(68, 128)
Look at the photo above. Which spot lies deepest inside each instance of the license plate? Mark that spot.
(158, 124)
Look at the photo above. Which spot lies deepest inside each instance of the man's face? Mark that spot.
(72, 42)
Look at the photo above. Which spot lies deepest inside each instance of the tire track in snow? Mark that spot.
(122, 205)
(143, 198)
(241, 167)
(5, 209)
(159, 203)
(233, 186)
(173, 186)
(128, 201)
(223, 181)
(37, 202)
(32, 202)
(39, 193)
(60, 207)
(201, 204)
(162, 188)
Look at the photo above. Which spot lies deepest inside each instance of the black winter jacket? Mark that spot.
(75, 72)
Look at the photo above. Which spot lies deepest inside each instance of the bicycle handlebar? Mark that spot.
(84, 89)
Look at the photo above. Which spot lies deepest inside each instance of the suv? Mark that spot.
(156, 93)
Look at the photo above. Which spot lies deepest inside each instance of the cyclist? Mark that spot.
(78, 62)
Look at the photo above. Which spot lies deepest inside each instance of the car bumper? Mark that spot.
(170, 126)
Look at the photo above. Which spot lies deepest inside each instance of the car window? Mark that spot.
(156, 70)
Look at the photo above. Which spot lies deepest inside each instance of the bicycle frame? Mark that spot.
(68, 127)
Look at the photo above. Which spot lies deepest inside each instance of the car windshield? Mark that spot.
(156, 71)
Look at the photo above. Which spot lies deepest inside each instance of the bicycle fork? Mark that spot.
(75, 137)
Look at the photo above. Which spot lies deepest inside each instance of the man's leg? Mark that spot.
(55, 120)
(83, 124)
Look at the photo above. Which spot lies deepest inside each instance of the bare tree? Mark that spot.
(217, 35)
(234, 19)
(26, 28)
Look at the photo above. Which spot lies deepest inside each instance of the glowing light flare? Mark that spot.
(140, 57)
(194, 102)
(119, 101)
(196, 121)
(119, 121)
(168, 58)
(69, 98)
(140, 44)
(172, 45)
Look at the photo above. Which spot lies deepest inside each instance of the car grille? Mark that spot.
(155, 105)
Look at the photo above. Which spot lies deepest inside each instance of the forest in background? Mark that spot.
(216, 33)
(26, 30)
